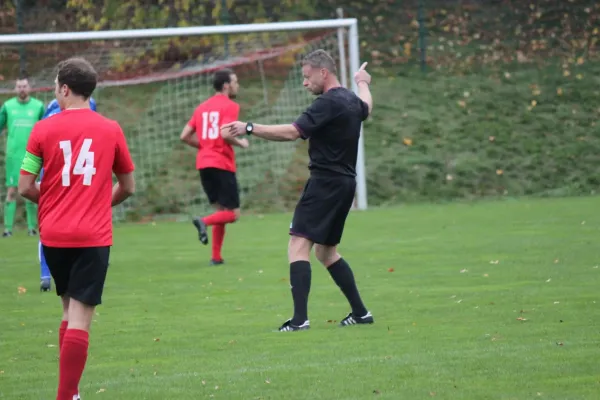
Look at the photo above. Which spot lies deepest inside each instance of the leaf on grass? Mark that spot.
(559, 343)
(462, 103)
(204, 382)
(407, 141)
(101, 390)
(449, 177)
(51, 345)
(556, 261)
(566, 73)
(485, 275)
(492, 138)
(559, 91)
(390, 269)
(494, 261)
(267, 381)
(548, 280)
(462, 271)
(157, 339)
(217, 387)
(21, 290)
(376, 391)
(521, 319)
(579, 76)
(557, 302)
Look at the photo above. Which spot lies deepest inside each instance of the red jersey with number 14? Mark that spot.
(214, 151)
(80, 149)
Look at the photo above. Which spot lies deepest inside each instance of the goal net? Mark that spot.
(151, 84)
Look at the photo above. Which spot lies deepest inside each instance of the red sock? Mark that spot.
(61, 334)
(218, 234)
(220, 218)
(73, 356)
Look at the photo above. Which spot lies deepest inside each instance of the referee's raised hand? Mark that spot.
(362, 75)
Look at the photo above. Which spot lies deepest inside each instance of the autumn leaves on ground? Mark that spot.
(494, 300)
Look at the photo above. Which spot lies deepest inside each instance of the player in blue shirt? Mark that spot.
(45, 277)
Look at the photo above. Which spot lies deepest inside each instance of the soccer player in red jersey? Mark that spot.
(79, 151)
(216, 158)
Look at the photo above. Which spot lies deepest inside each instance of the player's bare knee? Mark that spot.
(326, 255)
(299, 249)
(80, 315)
(11, 194)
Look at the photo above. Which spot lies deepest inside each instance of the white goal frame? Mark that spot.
(351, 24)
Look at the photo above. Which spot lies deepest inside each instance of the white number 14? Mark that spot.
(83, 166)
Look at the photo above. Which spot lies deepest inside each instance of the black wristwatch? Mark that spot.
(249, 128)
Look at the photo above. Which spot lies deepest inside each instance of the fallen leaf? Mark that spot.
(407, 141)
(390, 269)
(557, 302)
(101, 390)
(549, 279)
(462, 271)
(521, 319)
(51, 345)
(485, 275)
(492, 138)
(462, 103)
(22, 290)
(494, 261)
(579, 76)
(559, 91)
(499, 172)
(204, 382)
(157, 339)
(566, 73)
(449, 177)
(559, 343)
(267, 381)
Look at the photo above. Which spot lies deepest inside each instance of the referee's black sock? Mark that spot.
(300, 276)
(342, 274)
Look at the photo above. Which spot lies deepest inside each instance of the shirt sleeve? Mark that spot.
(316, 116)
(123, 163)
(364, 109)
(192, 121)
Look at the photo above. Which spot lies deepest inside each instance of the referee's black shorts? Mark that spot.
(221, 187)
(78, 273)
(323, 207)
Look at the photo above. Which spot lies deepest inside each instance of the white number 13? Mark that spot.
(210, 125)
(83, 166)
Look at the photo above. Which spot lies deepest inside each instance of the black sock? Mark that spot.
(342, 275)
(300, 276)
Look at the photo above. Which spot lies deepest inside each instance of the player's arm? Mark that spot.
(363, 80)
(30, 168)
(188, 134)
(123, 169)
(3, 118)
(233, 115)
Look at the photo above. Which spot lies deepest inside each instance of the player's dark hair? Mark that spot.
(23, 77)
(79, 75)
(222, 77)
(320, 59)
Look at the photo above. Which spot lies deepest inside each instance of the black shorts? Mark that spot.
(221, 187)
(323, 207)
(78, 272)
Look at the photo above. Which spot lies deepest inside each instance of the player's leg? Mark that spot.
(342, 275)
(305, 230)
(31, 212)
(86, 284)
(10, 205)
(45, 276)
(60, 263)
(343, 190)
(221, 188)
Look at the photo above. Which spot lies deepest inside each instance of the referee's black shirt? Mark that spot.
(332, 122)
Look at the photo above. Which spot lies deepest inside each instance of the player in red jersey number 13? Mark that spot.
(79, 151)
(216, 158)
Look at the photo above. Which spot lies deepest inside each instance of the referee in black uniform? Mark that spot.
(332, 124)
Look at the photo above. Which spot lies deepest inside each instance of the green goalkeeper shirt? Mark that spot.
(19, 118)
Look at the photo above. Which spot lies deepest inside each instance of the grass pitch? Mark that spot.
(493, 300)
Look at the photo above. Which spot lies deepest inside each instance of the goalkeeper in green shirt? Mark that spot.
(18, 115)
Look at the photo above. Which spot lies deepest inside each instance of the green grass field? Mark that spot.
(488, 300)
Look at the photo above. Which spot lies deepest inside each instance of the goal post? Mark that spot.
(162, 99)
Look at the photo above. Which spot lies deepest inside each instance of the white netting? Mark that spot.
(152, 87)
